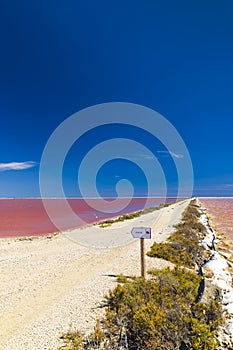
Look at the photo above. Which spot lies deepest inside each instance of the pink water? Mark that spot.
(221, 211)
(27, 217)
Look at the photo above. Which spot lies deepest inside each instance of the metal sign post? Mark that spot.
(142, 233)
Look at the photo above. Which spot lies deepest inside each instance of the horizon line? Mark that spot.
(125, 197)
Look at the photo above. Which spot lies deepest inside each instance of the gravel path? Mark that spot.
(51, 285)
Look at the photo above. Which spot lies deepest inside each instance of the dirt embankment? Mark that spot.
(47, 285)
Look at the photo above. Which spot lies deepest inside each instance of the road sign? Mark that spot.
(141, 232)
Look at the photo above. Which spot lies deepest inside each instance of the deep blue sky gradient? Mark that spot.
(58, 57)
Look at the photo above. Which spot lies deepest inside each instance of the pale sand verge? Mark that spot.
(47, 284)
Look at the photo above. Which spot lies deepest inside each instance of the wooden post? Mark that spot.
(143, 263)
(142, 233)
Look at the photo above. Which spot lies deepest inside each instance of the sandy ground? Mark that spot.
(50, 285)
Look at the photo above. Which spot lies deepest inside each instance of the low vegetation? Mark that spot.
(182, 247)
(109, 222)
(161, 312)
(121, 218)
(151, 209)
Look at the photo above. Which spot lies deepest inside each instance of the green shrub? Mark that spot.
(182, 247)
(74, 340)
(174, 253)
(161, 313)
(121, 278)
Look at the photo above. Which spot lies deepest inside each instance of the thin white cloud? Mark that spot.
(173, 154)
(177, 155)
(140, 156)
(146, 156)
(17, 165)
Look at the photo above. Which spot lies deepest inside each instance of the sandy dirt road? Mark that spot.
(49, 285)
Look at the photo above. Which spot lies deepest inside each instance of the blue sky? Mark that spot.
(58, 57)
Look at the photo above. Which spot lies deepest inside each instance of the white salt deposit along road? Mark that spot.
(48, 284)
